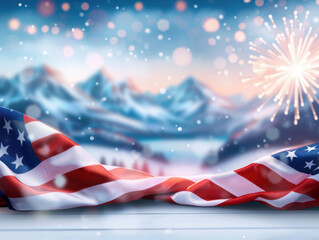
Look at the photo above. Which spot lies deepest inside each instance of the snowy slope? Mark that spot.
(124, 98)
(41, 93)
(191, 99)
(253, 130)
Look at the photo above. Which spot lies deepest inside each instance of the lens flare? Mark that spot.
(287, 69)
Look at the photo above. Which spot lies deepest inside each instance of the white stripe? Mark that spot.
(282, 169)
(235, 184)
(91, 196)
(315, 177)
(69, 160)
(189, 198)
(37, 130)
(289, 198)
(110, 167)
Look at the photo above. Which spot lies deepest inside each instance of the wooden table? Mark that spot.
(146, 219)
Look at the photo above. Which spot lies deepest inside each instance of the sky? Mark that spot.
(155, 43)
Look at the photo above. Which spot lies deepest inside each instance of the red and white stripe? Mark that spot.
(69, 177)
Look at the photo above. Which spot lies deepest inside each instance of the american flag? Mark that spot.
(42, 169)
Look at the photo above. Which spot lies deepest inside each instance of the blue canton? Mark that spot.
(304, 159)
(15, 146)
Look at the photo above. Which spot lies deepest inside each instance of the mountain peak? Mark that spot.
(190, 80)
(190, 84)
(104, 72)
(40, 74)
(100, 78)
(132, 85)
(52, 72)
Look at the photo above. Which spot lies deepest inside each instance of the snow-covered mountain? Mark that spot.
(190, 105)
(197, 108)
(253, 130)
(115, 113)
(124, 98)
(102, 104)
(191, 99)
(41, 93)
(118, 114)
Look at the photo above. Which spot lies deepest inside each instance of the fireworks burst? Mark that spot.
(288, 68)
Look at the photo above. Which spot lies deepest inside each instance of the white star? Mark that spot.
(309, 149)
(291, 155)
(21, 137)
(18, 161)
(309, 164)
(3, 150)
(7, 126)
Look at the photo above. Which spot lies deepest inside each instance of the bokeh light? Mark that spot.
(242, 25)
(45, 28)
(85, 6)
(77, 33)
(94, 61)
(68, 51)
(233, 58)
(65, 6)
(300, 9)
(259, 3)
(132, 48)
(258, 21)
(282, 3)
(211, 25)
(137, 26)
(240, 36)
(212, 41)
(163, 25)
(138, 6)
(55, 30)
(220, 63)
(121, 33)
(182, 56)
(46, 8)
(113, 40)
(111, 25)
(229, 49)
(180, 6)
(14, 24)
(32, 29)
(33, 111)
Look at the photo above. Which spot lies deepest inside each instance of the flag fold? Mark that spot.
(42, 169)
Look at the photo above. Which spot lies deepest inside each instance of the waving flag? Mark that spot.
(41, 169)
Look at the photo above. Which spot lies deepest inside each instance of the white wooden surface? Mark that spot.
(146, 219)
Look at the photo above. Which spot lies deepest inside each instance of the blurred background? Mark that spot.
(152, 85)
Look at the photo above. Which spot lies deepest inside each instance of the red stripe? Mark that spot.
(171, 185)
(253, 196)
(75, 180)
(296, 205)
(52, 145)
(264, 177)
(160, 197)
(208, 190)
(2, 203)
(129, 174)
(28, 119)
(289, 206)
(308, 187)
